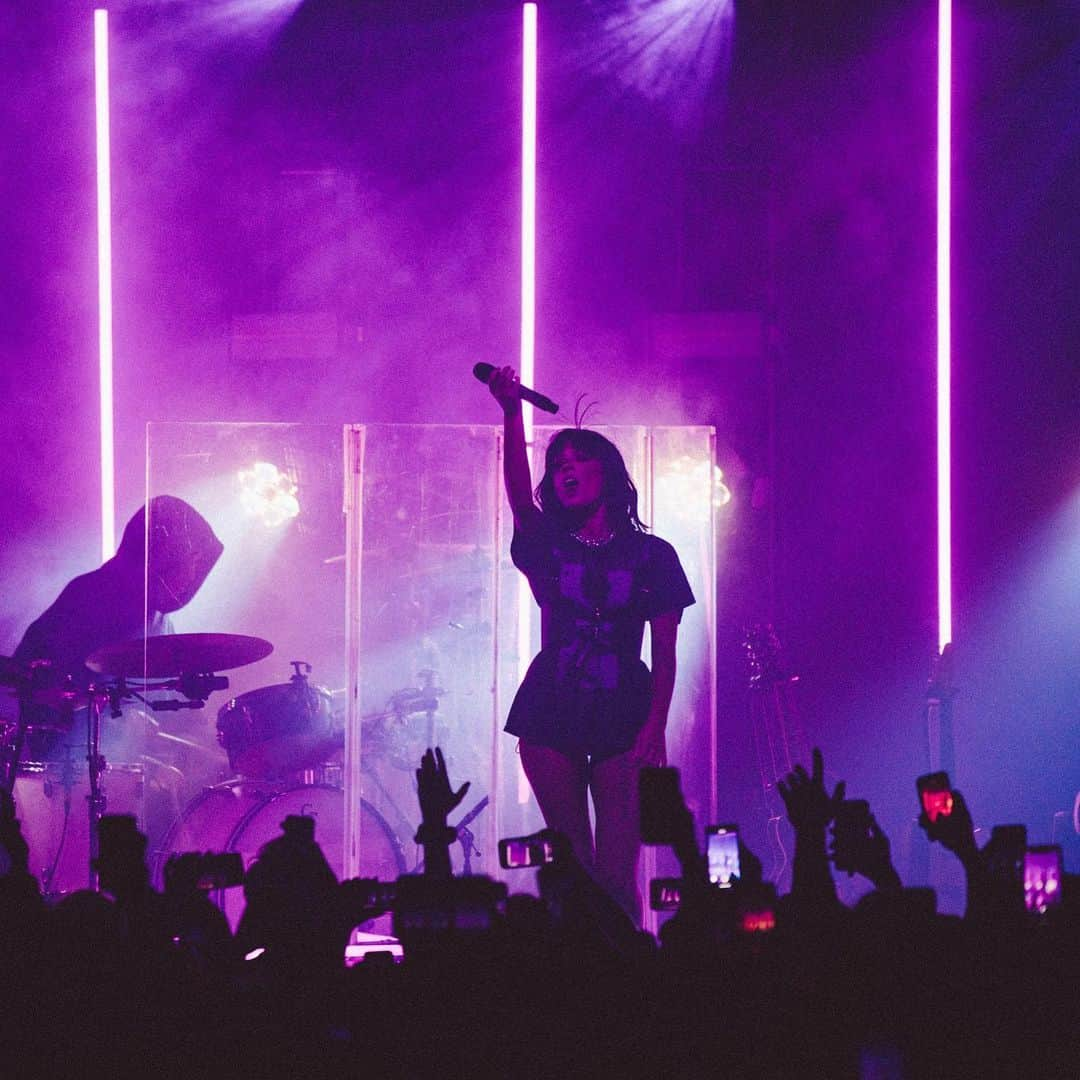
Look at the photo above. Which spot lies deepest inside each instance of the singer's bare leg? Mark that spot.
(614, 783)
(561, 786)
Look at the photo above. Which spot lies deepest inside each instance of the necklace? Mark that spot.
(591, 542)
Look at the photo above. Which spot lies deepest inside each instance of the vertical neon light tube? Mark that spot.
(528, 199)
(527, 363)
(944, 323)
(105, 323)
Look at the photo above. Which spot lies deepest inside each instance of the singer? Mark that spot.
(589, 713)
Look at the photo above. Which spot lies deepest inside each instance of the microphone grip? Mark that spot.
(538, 400)
(484, 372)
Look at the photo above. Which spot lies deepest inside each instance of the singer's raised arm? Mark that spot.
(506, 390)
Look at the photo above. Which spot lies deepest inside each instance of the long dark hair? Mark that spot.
(618, 492)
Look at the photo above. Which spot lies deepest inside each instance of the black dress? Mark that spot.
(588, 692)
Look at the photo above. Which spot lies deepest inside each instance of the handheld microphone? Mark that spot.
(484, 372)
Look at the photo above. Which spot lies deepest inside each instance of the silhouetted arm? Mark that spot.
(810, 808)
(437, 799)
(517, 477)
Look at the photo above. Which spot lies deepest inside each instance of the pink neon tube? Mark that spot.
(528, 195)
(527, 363)
(944, 324)
(105, 323)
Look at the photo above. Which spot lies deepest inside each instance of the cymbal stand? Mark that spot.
(68, 782)
(96, 801)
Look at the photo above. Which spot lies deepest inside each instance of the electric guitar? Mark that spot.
(779, 741)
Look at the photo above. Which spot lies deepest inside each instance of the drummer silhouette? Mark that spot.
(158, 568)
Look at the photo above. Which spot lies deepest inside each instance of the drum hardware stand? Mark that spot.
(195, 688)
(301, 671)
(95, 801)
(68, 780)
(12, 750)
(465, 836)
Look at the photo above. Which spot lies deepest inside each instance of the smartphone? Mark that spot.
(665, 893)
(1043, 872)
(660, 804)
(427, 908)
(204, 870)
(757, 913)
(935, 795)
(722, 851)
(520, 852)
(851, 834)
(1004, 854)
(363, 898)
(221, 870)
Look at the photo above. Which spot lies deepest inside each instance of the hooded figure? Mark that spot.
(130, 595)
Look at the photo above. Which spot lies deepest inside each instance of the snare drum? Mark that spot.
(242, 817)
(51, 805)
(278, 729)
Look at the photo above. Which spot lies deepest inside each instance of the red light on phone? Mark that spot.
(757, 922)
(937, 804)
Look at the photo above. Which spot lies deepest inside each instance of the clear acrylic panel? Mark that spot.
(272, 493)
(424, 510)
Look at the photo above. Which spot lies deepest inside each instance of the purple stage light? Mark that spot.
(105, 322)
(944, 324)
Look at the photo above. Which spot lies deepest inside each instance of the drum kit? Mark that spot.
(283, 743)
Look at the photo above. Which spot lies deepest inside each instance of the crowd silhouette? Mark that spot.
(741, 982)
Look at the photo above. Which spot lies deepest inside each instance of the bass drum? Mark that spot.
(242, 817)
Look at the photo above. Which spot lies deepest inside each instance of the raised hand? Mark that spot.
(954, 831)
(866, 851)
(505, 388)
(808, 804)
(437, 798)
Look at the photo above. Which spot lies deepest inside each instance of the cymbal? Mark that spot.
(178, 654)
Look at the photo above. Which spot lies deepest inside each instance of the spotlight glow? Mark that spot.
(268, 494)
(668, 51)
(686, 478)
(944, 324)
(105, 321)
